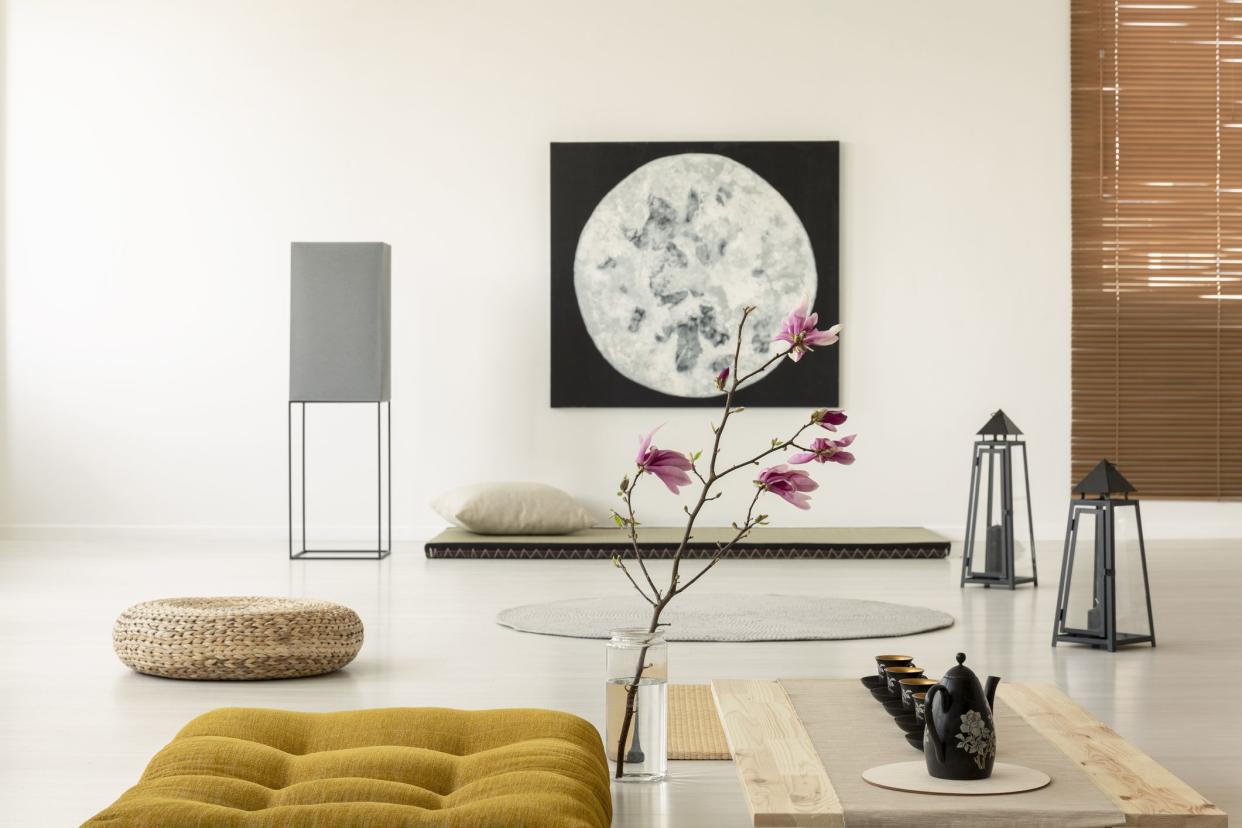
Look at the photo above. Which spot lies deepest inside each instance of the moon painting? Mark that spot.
(657, 248)
(670, 257)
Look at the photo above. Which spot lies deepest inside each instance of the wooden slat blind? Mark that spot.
(1157, 249)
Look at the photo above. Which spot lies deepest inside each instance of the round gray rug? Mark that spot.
(728, 617)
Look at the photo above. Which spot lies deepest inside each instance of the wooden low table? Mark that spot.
(786, 783)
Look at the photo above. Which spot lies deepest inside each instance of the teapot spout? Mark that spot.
(990, 690)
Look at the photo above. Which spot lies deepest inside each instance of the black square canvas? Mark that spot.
(657, 246)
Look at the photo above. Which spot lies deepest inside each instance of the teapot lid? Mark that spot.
(961, 670)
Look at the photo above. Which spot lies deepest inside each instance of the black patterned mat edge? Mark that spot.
(589, 551)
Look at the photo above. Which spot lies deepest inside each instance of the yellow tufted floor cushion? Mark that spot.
(404, 766)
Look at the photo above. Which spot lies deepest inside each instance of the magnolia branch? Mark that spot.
(799, 331)
(621, 565)
(750, 523)
(779, 446)
(632, 524)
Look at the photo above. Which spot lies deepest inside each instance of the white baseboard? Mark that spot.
(1153, 530)
(352, 534)
(1044, 533)
(88, 532)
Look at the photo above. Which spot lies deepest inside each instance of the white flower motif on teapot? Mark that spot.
(976, 738)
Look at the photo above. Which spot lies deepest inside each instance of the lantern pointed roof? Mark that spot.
(1104, 479)
(999, 426)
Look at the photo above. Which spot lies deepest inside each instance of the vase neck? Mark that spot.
(637, 637)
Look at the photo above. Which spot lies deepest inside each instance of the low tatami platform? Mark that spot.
(903, 542)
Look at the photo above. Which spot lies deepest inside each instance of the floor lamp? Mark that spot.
(339, 346)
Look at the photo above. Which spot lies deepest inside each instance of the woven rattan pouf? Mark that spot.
(237, 639)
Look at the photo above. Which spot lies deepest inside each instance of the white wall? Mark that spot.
(163, 154)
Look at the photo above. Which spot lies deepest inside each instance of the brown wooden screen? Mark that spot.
(1157, 251)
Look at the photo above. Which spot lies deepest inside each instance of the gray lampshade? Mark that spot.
(340, 322)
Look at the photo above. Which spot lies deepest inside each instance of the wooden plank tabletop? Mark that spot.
(1146, 792)
(784, 781)
(786, 785)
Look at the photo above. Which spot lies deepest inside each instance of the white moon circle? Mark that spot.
(671, 255)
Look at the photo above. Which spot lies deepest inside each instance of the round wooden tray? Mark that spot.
(913, 777)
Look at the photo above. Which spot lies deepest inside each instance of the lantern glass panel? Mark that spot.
(987, 551)
(1086, 587)
(1023, 554)
(1001, 515)
(1131, 587)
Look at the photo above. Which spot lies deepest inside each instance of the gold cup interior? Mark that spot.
(894, 658)
(897, 671)
(917, 682)
(919, 696)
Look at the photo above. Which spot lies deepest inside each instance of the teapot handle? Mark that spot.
(932, 735)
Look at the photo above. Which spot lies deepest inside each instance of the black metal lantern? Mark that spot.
(994, 527)
(1099, 602)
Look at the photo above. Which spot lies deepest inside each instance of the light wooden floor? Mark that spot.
(76, 727)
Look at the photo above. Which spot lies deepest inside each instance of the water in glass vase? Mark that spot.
(646, 754)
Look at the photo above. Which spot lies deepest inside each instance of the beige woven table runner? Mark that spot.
(694, 730)
(852, 732)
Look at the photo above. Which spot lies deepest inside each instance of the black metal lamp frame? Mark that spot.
(383, 469)
(1105, 586)
(998, 451)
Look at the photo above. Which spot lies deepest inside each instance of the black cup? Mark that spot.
(920, 706)
(894, 674)
(882, 661)
(910, 686)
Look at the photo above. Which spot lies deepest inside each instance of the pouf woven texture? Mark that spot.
(237, 638)
(413, 767)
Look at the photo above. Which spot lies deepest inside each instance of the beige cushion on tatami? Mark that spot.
(512, 509)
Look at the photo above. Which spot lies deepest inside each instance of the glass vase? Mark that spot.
(637, 681)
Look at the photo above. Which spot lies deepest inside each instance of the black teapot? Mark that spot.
(959, 741)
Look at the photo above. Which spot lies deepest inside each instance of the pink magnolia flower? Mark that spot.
(790, 484)
(669, 466)
(721, 379)
(798, 330)
(829, 419)
(824, 450)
